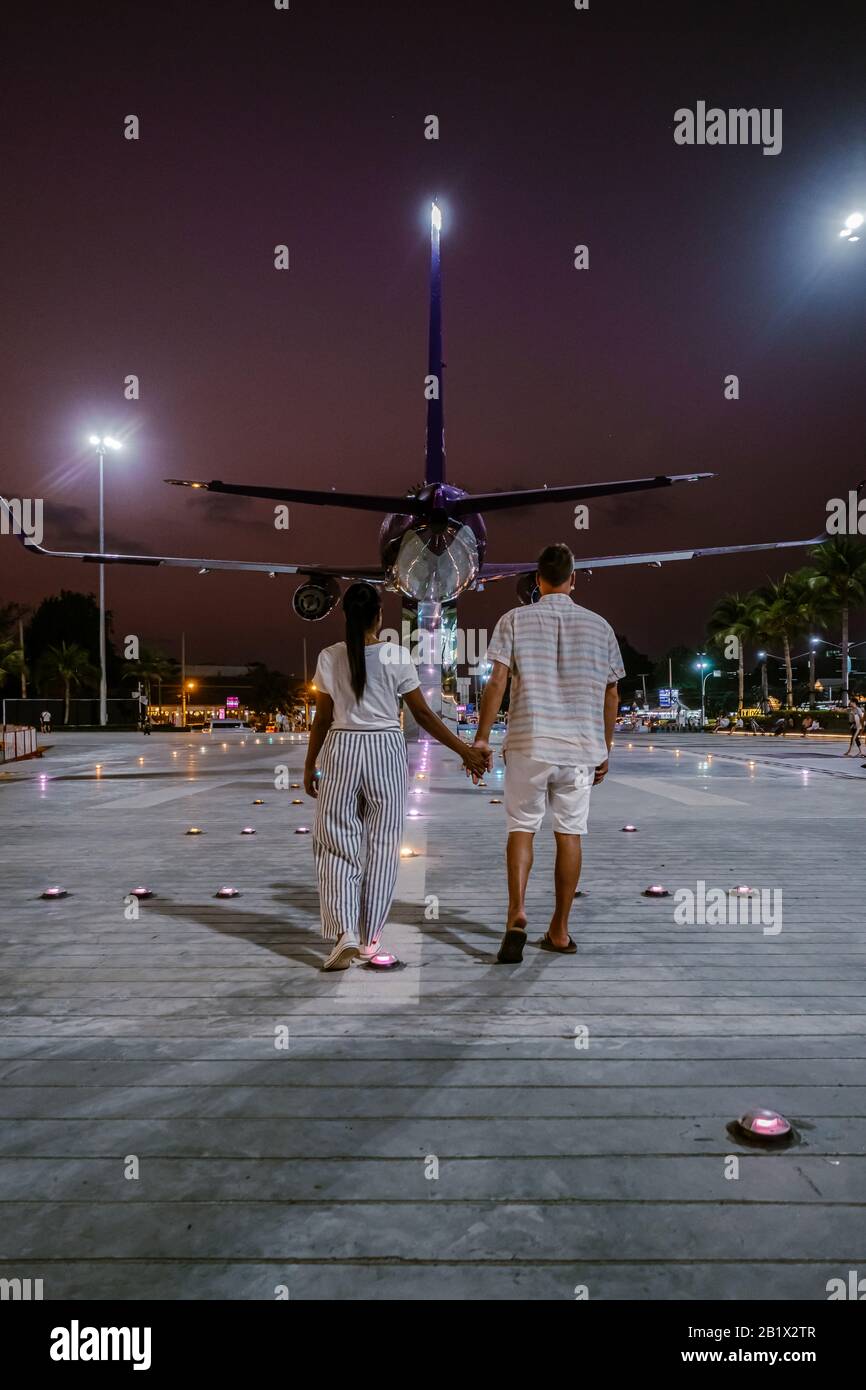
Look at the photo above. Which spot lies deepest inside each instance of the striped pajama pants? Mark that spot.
(359, 827)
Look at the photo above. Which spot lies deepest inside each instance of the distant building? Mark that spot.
(212, 692)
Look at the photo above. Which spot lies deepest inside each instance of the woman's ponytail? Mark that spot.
(361, 606)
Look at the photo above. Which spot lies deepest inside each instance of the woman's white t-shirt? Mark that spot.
(390, 674)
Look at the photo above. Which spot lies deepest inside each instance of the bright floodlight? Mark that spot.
(94, 439)
(854, 221)
(113, 443)
(846, 231)
(436, 217)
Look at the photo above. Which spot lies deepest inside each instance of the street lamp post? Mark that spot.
(701, 665)
(101, 443)
(844, 673)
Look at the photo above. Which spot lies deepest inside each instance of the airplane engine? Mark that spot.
(527, 589)
(316, 599)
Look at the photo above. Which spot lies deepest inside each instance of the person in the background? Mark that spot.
(855, 723)
(564, 663)
(362, 791)
(45, 721)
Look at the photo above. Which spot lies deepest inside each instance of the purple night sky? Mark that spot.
(306, 127)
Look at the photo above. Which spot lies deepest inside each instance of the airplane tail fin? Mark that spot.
(434, 467)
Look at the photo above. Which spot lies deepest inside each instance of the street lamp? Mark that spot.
(795, 656)
(834, 646)
(813, 642)
(101, 443)
(308, 686)
(700, 666)
(187, 685)
(851, 229)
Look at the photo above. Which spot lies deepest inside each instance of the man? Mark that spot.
(564, 664)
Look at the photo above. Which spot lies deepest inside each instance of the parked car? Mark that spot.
(228, 728)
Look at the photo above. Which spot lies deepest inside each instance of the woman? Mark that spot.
(359, 816)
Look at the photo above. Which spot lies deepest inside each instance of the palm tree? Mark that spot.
(732, 617)
(756, 602)
(12, 617)
(70, 664)
(789, 610)
(11, 660)
(838, 582)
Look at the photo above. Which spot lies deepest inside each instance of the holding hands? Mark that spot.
(478, 759)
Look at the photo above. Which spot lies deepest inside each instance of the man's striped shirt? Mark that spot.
(561, 658)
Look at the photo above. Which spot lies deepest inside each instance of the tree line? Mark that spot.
(54, 649)
(822, 595)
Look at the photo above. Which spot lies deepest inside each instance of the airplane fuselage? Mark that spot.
(433, 557)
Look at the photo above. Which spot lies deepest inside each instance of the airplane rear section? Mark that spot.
(433, 538)
(430, 563)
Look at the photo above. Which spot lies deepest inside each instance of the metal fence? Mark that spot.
(83, 711)
(16, 741)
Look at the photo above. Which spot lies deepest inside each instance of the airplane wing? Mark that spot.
(411, 506)
(373, 574)
(529, 497)
(359, 501)
(654, 558)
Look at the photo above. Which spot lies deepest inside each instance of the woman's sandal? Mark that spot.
(547, 945)
(511, 949)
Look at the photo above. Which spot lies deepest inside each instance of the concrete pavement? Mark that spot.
(192, 1110)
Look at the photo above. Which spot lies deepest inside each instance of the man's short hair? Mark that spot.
(555, 565)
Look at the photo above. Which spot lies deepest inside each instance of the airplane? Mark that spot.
(433, 540)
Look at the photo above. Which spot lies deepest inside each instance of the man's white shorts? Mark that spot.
(531, 786)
